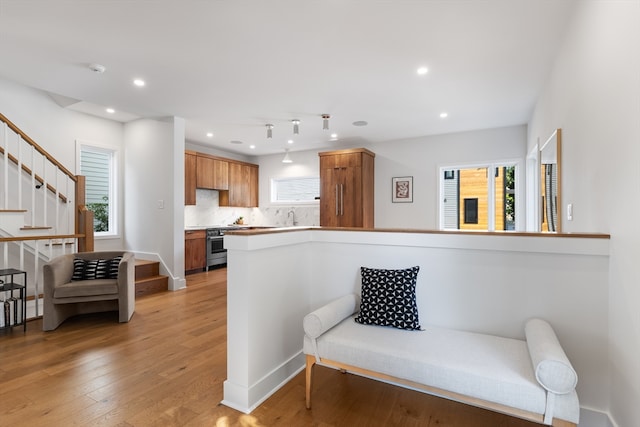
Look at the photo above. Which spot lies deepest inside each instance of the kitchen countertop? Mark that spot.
(237, 226)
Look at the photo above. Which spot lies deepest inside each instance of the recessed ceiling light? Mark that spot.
(360, 123)
(290, 141)
(422, 71)
(236, 142)
(334, 136)
(444, 115)
(209, 134)
(139, 82)
(253, 147)
(110, 110)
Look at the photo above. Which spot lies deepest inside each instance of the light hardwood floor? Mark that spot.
(166, 368)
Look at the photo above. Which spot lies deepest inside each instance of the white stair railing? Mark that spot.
(52, 229)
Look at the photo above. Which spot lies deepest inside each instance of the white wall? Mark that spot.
(593, 94)
(154, 197)
(422, 158)
(56, 129)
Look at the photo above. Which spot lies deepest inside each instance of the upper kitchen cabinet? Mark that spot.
(346, 188)
(243, 186)
(212, 173)
(189, 178)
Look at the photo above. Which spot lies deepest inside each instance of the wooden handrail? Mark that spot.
(43, 237)
(39, 149)
(37, 177)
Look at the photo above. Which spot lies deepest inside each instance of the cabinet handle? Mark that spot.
(337, 200)
(341, 200)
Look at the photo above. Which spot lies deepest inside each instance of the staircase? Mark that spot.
(148, 278)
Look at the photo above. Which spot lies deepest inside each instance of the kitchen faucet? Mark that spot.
(292, 214)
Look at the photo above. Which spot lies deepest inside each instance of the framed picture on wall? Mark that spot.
(402, 189)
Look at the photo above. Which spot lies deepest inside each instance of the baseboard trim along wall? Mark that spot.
(246, 399)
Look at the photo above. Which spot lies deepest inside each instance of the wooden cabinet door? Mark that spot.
(243, 186)
(350, 198)
(253, 187)
(190, 179)
(330, 181)
(212, 174)
(195, 250)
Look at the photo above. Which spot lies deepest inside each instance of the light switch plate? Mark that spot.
(570, 212)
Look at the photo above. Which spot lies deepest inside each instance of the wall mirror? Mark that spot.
(550, 180)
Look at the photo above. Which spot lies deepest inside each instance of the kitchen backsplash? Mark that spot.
(207, 211)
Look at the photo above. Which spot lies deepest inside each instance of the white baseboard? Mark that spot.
(246, 399)
(593, 418)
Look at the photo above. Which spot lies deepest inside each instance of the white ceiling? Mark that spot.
(231, 67)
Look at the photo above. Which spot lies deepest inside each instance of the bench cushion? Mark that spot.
(486, 367)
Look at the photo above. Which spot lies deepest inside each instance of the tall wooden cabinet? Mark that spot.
(346, 188)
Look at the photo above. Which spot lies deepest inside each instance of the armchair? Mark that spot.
(64, 297)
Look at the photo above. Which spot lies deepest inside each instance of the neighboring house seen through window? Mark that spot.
(98, 165)
(478, 198)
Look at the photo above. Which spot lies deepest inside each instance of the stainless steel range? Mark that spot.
(216, 253)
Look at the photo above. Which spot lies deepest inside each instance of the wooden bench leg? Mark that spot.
(311, 360)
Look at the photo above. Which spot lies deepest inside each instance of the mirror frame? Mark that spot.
(553, 142)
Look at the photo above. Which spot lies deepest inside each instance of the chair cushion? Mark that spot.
(82, 288)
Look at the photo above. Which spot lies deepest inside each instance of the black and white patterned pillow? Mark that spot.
(90, 269)
(112, 272)
(389, 298)
(78, 269)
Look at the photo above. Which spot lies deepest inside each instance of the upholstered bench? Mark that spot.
(530, 379)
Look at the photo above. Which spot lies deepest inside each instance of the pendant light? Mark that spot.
(296, 126)
(325, 121)
(269, 131)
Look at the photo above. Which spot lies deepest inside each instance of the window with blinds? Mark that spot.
(293, 190)
(98, 164)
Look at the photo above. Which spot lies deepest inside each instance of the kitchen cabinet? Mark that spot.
(346, 188)
(212, 173)
(243, 186)
(195, 250)
(189, 178)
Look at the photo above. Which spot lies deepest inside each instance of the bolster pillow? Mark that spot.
(326, 317)
(551, 366)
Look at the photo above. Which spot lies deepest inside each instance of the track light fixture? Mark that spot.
(325, 121)
(269, 131)
(296, 126)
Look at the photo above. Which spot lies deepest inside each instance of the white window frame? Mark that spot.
(520, 214)
(114, 220)
(273, 189)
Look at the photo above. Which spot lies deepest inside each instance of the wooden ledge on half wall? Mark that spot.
(258, 230)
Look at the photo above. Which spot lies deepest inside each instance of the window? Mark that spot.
(295, 190)
(471, 211)
(98, 165)
(478, 198)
